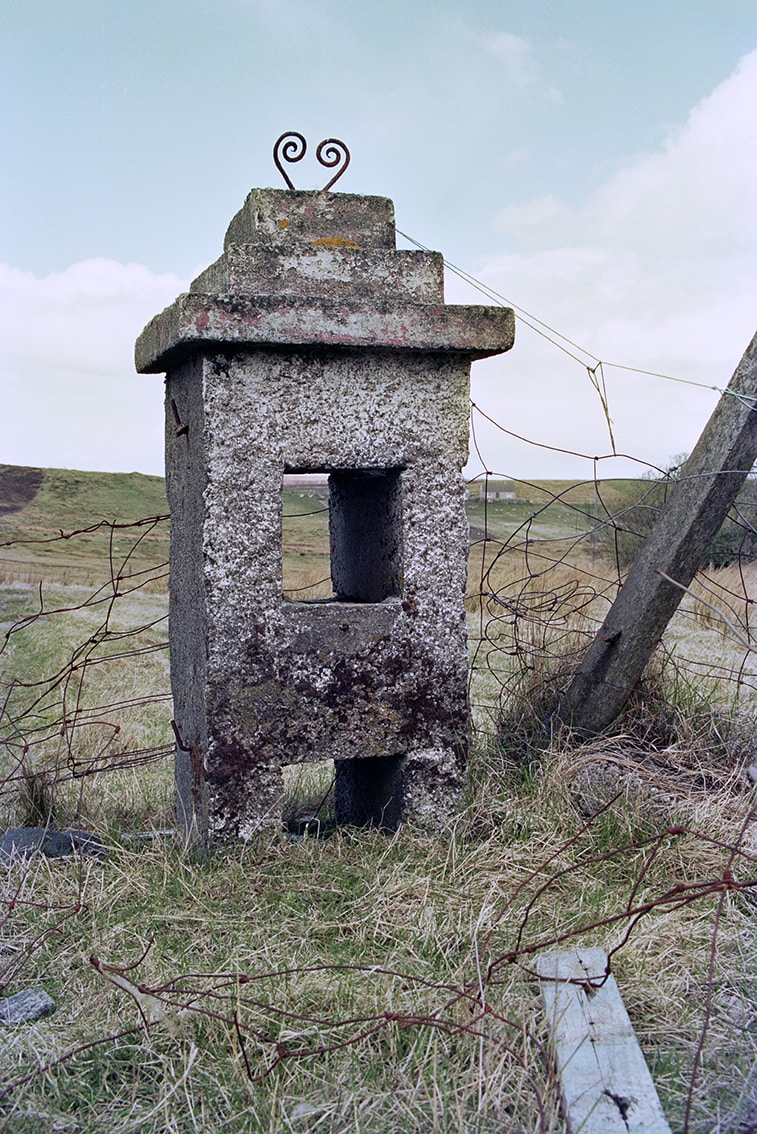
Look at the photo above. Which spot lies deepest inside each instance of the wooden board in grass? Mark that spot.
(605, 1083)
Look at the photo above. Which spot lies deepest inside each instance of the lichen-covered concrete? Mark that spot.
(313, 345)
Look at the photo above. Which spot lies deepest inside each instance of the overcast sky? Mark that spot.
(594, 161)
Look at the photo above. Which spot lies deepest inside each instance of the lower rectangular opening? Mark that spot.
(308, 805)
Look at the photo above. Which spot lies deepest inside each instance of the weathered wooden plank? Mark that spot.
(697, 505)
(605, 1083)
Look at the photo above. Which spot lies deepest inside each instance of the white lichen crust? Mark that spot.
(313, 345)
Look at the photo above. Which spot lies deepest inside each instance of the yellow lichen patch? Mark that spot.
(283, 222)
(334, 242)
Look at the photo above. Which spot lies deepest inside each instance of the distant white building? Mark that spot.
(496, 490)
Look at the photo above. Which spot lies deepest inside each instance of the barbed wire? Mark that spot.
(545, 566)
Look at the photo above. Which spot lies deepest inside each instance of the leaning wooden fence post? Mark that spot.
(698, 504)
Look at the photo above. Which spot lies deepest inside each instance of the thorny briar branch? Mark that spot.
(532, 619)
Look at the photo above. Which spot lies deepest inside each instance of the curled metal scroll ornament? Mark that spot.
(292, 147)
(331, 152)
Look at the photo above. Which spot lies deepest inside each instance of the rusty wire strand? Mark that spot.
(515, 621)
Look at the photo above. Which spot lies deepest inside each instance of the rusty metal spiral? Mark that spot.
(291, 147)
(330, 152)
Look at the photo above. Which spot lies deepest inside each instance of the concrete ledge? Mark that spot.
(232, 322)
(284, 218)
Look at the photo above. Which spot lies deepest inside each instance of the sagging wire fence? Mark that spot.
(546, 568)
(80, 663)
(649, 842)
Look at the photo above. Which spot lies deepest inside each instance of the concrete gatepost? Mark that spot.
(313, 345)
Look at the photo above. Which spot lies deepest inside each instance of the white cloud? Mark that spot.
(514, 50)
(520, 62)
(71, 396)
(656, 269)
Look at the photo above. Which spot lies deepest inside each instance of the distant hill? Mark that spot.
(68, 499)
(18, 487)
(40, 504)
(37, 505)
(80, 495)
(573, 492)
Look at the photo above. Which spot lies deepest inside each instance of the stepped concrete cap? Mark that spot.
(244, 269)
(285, 217)
(303, 269)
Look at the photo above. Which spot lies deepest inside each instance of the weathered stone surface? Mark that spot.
(27, 1006)
(194, 321)
(422, 788)
(299, 352)
(282, 218)
(23, 842)
(408, 276)
(599, 784)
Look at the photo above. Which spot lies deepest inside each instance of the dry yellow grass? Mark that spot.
(390, 980)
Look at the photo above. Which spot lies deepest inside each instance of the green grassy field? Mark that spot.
(38, 505)
(362, 982)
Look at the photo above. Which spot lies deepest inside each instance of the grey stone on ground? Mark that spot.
(748, 841)
(23, 842)
(600, 783)
(31, 1004)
